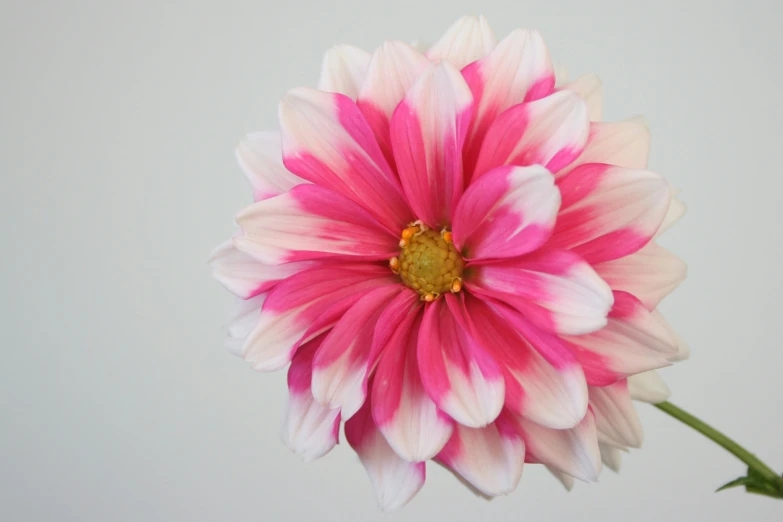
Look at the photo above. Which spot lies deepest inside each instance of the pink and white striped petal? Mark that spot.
(327, 140)
(649, 274)
(411, 422)
(591, 90)
(344, 360)
(616, 420)
(467, 40)
(509, 212)
(517, 70)
(295, 303)
(573, 451)
(245, 276)
(489, 458)
(310, 429)
(312, 222)
(551, 132)
(343, 70)
(458, 374)
(648, 387)
(395, 480)
(394, 68)
(427, 133)
(623, 144)
(609, 212)
(260, 156)
(555, 289)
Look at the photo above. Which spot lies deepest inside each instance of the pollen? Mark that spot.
(429, 263)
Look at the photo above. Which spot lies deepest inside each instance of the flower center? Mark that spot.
(428, 263)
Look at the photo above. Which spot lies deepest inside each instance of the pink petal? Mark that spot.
(517, 70)
(326, 140)
(395, 481)
(489, 458)
(343, 362)
(590, 89)
(427, 132)
(649, 274)
(260, 157)
(310, 429)
(343, 70)
(508, 212)
(609, 212)
(551, 132)
(555, 289)
(648, 387)
(616, 419)
(457, 373)
(469, 39)
(393, 69)
(312, 222)
(623, 144)
(295, 303)
(405, 414)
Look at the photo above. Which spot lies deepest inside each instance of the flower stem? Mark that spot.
(719, 438)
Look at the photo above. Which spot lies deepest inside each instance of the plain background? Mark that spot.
(119, 120)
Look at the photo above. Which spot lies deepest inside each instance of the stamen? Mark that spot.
(456, 285)
(446, 235)
(394, 264)
(429, 297)
(409, 232)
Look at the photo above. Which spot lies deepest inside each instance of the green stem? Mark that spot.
(719, 438)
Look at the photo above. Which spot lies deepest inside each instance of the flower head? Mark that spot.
(456, 257)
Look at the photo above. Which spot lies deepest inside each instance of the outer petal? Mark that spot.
(648, 387)
(649, 274)
(394, 68)
(343, 362)
(326, 140)
(427, 132)
(591, 90)
(246, 315)
(469, 39)
(489, 458)
(260, 156)
(616, 419)
(343, 70)
(295, 303)
(611, 457)
(402, 410)
(457, 373)
(623, 144)
(555, 289)
(310, 429)
(609, 212)
(509, 212)
(633, 341)
(517, 70)
(311, 222)
(551, 132)
(395, 481)
(677, 210)
(566, 480)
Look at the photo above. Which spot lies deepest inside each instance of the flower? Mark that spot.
(457, 259)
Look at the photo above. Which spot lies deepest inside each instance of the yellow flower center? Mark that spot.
(428, 263)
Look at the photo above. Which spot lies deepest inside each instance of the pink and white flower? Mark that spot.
(456, 257)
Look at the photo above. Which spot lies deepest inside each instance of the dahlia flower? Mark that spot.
(457, 258)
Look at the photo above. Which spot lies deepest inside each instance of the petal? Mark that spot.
(555, 289)
(245, 276)
(591, 90)
(310, 429)
(611, 457)
(457, 373)
(405, 414)
(648, 387)
(247, 313)
(547, 387)
(683, 350)
(551, 132)
(395, 481)
(623, 144)
(343, 70)
(616, 419)
(573, 451)
(677, 210)
(517, 70)
(609, 212)
(508, 212)
(489, 458)
(649, 274)
(326, 140)
(312, 222)
(566, 480)
(260, 157)
(295, 303)
(469, 39)
(393, 69)
(633, 341)
(427, 132)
